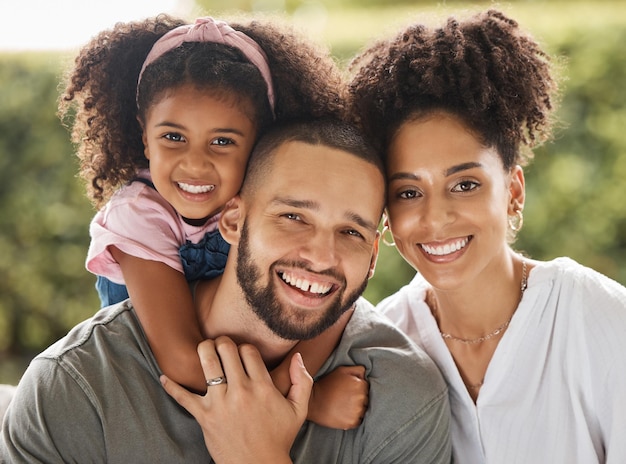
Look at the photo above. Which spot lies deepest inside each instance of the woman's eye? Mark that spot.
(222, 141)
(408, 194)
(174, 137)
(465, 186)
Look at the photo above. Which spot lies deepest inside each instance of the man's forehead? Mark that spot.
(323, 176)
(297, 156)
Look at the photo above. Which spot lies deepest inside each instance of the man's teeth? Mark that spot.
(196, 188)
(303, 284)
(445, 249)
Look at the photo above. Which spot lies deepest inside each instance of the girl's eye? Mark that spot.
(174, 137)
(222, 141)
(465, 186)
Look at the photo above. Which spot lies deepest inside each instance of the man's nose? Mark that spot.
(320, 249)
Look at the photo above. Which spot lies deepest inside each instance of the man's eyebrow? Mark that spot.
(315, 206)
(354, 217)
(288, 201)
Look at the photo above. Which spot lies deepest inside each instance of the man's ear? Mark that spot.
(231, 220)
(374, 258)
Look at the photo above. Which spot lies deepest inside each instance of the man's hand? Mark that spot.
(246, 419)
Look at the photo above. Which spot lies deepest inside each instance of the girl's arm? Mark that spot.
(163, 301)
(340, 398)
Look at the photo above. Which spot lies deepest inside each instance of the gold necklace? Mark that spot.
(473, 341)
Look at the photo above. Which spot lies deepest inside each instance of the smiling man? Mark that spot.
(304, 241)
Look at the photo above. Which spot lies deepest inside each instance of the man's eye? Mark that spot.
(292, 216)
(354, 233)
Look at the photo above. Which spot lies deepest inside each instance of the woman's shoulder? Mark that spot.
(570, 272)
(586, 298)
(415, 290)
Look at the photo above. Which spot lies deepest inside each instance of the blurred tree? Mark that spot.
(576, 184)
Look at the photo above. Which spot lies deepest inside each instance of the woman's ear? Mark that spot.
(517, 190)
(374, 257)
(231, 220)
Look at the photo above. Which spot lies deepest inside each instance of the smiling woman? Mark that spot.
(532, 350)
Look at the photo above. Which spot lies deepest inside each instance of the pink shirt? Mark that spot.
(141, 223)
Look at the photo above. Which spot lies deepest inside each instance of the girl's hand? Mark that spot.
(339, 399)
(246, 419)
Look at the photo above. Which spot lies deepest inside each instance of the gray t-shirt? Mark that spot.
(94, 396)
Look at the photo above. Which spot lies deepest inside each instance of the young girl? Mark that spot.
(167, 114)
(533, 352)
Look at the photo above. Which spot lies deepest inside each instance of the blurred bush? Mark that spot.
(44, 215)
(575, 185)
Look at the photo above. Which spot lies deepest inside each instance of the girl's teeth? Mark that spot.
(445, 249)
(195, 188)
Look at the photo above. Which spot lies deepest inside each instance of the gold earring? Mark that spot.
(382, 237)
(517, 221)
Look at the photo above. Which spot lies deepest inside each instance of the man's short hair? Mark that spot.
(331, 133)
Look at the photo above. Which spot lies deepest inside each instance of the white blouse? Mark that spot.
(555, 389)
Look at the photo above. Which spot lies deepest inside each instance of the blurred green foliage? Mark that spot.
(44, 215)
(575, 185)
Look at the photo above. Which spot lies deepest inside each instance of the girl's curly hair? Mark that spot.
(484, 70)
(102, 89)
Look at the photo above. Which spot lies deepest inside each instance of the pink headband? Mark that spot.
(208, 29)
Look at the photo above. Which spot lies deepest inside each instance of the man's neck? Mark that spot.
(223, 310)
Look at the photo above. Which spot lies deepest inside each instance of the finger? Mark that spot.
(254, 364)
(228, 353)
(301, 385)
(210, 361)
(182, 396)
(357, 371)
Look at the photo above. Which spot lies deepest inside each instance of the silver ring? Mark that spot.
(216, 381)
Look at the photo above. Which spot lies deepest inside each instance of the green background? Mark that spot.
(575, 186)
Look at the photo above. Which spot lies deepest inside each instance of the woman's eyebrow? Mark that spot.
(462, 167)
(403, 176)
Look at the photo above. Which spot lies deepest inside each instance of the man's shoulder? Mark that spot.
(119, 319)
(371, 339)
(408, 413)
(369, 326)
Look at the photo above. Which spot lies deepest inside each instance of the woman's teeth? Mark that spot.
(445, 249)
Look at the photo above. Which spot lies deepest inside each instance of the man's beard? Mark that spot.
(263, 301)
